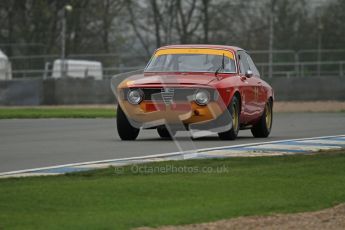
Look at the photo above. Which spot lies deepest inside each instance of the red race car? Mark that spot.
(195, 87)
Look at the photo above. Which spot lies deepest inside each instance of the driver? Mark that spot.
(216, 63)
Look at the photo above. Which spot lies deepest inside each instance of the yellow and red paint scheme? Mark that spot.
(252, 92)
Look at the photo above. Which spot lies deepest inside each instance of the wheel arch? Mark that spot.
(270, 99)
(237, 94)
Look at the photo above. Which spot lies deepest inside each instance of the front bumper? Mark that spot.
(189, 114)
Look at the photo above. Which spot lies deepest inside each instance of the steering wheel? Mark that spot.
(212, 68)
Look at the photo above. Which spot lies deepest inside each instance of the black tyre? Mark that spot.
(234, 109)
(124, 128)
(264, 125)
(164, 133)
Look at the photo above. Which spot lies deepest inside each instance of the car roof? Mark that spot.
(202, 46)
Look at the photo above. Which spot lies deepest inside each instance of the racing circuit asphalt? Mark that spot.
(32, 143)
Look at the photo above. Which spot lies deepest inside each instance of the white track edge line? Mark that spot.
(160, 155)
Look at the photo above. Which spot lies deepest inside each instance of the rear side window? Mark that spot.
(244, 65)
(252, 66)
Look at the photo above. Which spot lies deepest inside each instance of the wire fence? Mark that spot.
(286, 63)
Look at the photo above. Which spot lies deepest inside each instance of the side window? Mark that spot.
(244, 65)
(252, 66)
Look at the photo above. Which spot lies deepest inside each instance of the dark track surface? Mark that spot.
(31, 143)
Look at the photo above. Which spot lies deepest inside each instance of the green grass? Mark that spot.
(18, 113)
(104, 199)
(8, 113)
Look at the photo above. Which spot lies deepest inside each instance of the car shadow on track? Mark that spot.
(200, 139)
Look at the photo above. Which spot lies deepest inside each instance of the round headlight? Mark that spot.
(135, 96)
(202, 97)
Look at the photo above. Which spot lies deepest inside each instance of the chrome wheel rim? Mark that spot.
(234, 117)
(268, 115)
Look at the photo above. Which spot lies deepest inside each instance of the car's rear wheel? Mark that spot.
(264, 125)
(164, 133)
(124, 128)
(234, 110)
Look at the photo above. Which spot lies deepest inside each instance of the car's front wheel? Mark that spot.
(234, 110)
(264, 125)
(164, 133)
(124, 128)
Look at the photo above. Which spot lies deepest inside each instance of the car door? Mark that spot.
(259, 91)
(248, 89)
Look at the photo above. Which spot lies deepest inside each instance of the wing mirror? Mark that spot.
(249, 73)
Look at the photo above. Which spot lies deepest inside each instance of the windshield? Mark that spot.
(190, 62)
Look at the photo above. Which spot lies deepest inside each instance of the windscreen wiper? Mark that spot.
(221, 67)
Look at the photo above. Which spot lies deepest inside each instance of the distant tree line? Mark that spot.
(139, 26)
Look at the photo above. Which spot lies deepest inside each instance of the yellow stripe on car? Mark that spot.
(195, 51)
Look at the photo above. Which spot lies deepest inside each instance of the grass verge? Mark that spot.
(9, 113)
(124, 198)
(80, 112)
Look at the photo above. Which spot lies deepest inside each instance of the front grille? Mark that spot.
(168, 95)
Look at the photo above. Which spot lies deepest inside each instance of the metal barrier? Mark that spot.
(286, 63)
(46, 74)
(304, 69)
